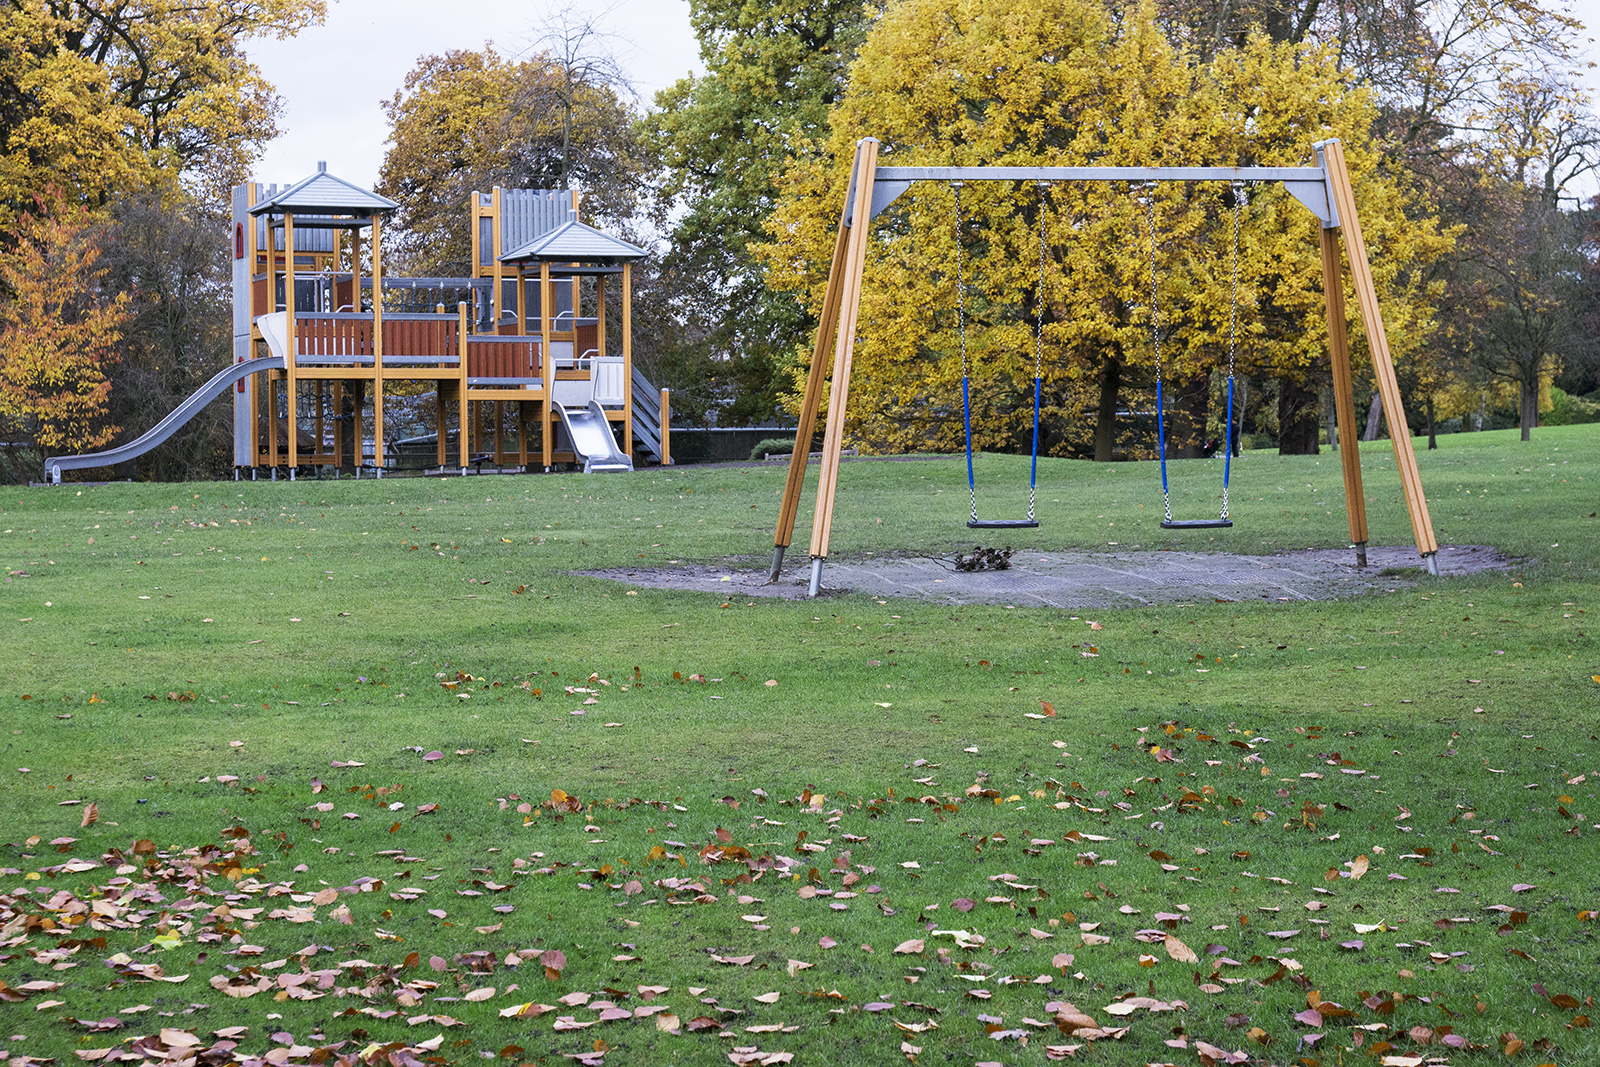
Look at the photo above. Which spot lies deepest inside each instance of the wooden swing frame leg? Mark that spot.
(1405, 457)
(855, 259)
(841, 304)
(1355, 502)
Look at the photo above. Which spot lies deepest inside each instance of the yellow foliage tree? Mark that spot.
(57, 334)
(101, 100)
(1063, 83)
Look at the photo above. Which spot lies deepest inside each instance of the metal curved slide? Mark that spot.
(219, 384)
(590, 434)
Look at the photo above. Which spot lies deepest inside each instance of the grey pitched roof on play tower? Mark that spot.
(325, 194)
(575, 242)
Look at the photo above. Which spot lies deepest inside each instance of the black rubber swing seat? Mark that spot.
(1001, 524)
(1195, 524)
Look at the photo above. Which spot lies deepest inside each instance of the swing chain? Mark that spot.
(1233, 311)
(1038, 354)
(961, 328)
(1233, 331)
(1155, 332)
(1038, 331)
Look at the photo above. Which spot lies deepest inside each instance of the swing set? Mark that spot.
(1324, 189)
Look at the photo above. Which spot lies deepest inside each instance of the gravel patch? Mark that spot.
(1087, 579)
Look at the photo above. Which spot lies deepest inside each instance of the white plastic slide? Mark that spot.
(590, 434)
(275, 331)
(219, 384)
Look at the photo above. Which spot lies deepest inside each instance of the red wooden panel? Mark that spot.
(587, 337)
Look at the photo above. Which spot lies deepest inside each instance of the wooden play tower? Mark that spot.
(521, 356)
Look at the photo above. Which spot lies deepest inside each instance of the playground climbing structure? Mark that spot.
(321, 334)
(527, 335)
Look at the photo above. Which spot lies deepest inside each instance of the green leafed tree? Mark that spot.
(773, 71)
(1064, 83)
(58, 333)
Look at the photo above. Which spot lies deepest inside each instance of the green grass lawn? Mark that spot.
(373, 774)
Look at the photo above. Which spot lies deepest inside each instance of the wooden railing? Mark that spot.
(332, 338)
(489, 356)
(416, 339)
(347, 338)
(421, 337)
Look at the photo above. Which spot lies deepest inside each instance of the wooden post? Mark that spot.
(600, 312)
(291, 333)
(441, 432)
(1355, 502)
(666, 427)
(627, 359)
(272, 425)
(821, 352)
(377, 354)
(253, 389)
(866, 166)
(461, 382)
(547, 362)
(1405, 458)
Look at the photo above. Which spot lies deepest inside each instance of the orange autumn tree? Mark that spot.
(58, 332)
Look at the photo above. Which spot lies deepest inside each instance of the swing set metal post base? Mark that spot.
(816, 576)
(1361, 553)
(1431, 559)
(777, 563)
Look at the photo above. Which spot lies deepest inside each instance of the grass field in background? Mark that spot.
(337, 713)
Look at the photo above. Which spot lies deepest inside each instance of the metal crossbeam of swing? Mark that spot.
(1309, 185)
(1100, 174)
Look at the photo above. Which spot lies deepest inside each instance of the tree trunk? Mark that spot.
(566, 135)
(1528, 409)
(1328, 409)
(349, 424)
(1190, 408)
(1433, 438)
(1105, 422)
(1297, 419)
(1374, 414)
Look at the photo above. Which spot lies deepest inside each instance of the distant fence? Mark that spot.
(721, 444)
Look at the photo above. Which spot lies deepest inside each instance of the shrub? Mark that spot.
(1569, 410)
(772, 446)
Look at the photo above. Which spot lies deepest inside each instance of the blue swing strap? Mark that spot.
(973, 522)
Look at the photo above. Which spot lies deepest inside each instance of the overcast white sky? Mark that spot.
(332, 77)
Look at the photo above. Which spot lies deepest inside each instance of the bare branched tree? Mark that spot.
(581, 56)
